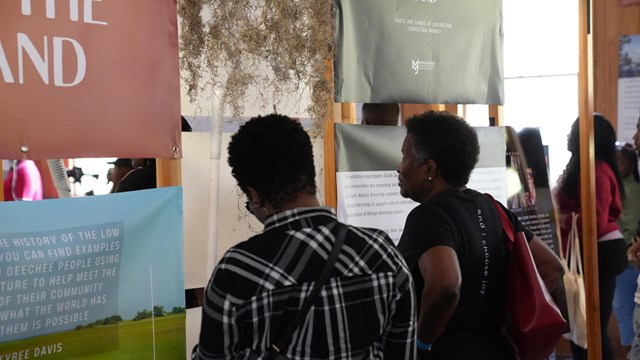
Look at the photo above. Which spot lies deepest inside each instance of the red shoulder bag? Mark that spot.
(535, 323)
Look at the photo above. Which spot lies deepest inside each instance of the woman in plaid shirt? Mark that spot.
(365, 310)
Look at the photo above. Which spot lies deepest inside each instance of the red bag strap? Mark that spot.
(506, 223)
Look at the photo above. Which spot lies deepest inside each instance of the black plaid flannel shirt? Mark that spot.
(366, 310)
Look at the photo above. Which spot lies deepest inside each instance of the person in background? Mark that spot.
(626, 283)
(143, 176)
(365, 310)
(447, 239)
(23, 182)
(380, 114)
(612, 259)
(121, 167)
(634, 255)
(6, 164)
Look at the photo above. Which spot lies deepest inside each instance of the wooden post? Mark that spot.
(408, 110)
(330, 185)
(168, 172)
(587, 180)
(348, 113)
(451, 108)
(496, 112)
(610, 20)
(606, 30)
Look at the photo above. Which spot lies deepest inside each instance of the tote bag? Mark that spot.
(574, 286)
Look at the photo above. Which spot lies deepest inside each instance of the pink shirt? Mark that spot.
(23, 182)
(608, 204)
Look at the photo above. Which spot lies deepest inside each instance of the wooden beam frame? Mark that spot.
(168, 172)
(330, 185)
(587, 179)
(348, 113)
(408, 110)
(496, 112)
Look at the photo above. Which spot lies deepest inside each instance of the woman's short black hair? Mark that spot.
(273, 154)
(448, 140)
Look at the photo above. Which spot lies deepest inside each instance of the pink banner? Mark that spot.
(89, 78)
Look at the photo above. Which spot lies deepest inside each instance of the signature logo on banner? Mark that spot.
(418, 65)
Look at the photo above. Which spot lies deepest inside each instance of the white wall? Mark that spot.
(541, 72)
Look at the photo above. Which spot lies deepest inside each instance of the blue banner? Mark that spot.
(95, 277)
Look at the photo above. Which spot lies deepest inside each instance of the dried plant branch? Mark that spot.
(292, 37)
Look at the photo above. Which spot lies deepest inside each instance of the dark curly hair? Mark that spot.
(273, 154)
(604, 143)
(448, 140)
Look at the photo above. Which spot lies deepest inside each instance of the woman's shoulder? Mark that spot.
(456, 196)
(424, 213)
(604, 174)
(450, 204)
(602, 167)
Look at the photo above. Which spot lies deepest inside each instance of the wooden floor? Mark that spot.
(564, 353)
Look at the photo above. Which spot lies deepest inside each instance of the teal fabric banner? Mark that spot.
(93, 277)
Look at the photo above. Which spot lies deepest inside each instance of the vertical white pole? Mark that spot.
(216, 149)
(153, 318)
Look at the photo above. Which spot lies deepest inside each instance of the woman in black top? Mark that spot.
(453, 243)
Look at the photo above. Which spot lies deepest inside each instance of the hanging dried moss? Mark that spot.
(232, 45)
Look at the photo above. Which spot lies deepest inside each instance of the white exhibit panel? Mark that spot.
(372, 199)
(196, 173)
(194, 319)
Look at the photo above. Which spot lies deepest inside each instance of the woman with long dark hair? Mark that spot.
(612, 258)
